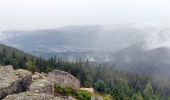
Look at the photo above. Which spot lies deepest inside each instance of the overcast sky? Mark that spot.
(38, 14)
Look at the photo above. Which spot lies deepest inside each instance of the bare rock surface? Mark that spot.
(38, 76)
(26, 78)
(42, 86)
(32, 96)
(8, 68)
(22, 85)
(12, 81)
(64, 79)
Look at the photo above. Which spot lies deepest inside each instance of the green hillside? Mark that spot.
(10, 51)
(13, 56)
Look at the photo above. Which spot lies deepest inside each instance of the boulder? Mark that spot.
(12, 81)
(8, 68)
(32, 96)
(9, 85)
(38, 76)
(9, 81)
(42, 86)
(44, 74)
(26, 78)
(18, 84)
(65, 79)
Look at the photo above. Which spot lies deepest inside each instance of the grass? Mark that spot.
(78, 94)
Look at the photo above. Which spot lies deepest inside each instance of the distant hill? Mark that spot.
(106, 38)
(11, 50)
(119, 44)
(154, 62)
(15, 57)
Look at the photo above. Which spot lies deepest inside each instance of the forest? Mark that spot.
(104, 78)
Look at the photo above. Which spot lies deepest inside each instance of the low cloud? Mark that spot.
(158, 38)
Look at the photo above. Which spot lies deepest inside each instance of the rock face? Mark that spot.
(63, 78)
(42, 86)
(26, 78)
(12, 81)
(38, 76)
(32, 96)
(8, 68)
(22, 85)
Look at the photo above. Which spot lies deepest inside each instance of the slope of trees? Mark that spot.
(104, 78)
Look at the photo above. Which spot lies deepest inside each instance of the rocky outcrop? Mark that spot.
(22, 85)
(38, 76)
(26, 78)
(64, 79)
(12, 81)
(7, 69)
(32, 96)
(42, 86)
(9, 85)
(33, 87)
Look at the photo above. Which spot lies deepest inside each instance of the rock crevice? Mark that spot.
(20, 84)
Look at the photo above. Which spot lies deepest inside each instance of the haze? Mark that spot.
(41, 14)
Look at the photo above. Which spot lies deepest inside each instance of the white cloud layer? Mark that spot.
(35, 14)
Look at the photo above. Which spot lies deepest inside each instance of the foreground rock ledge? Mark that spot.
(63, 78)
(32, 96)
(42, 86)
(22, 85)
(12, 81)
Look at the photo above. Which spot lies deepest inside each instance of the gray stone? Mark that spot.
(32, 96)
(9, 81)
(38, 76)
(9, 86)
(42, 86)
(44, 74)
(26, 77)
(64, 79)
(8, 68)
(12, 81)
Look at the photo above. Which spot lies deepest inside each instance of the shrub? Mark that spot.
(100, 86)
(83, 95)
(78, 94)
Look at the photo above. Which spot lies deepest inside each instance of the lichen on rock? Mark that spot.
(13, 81)
(37, 76)
(26, 78)
(64, 79)
(20, 84)
(42, 86)
(32, 96)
